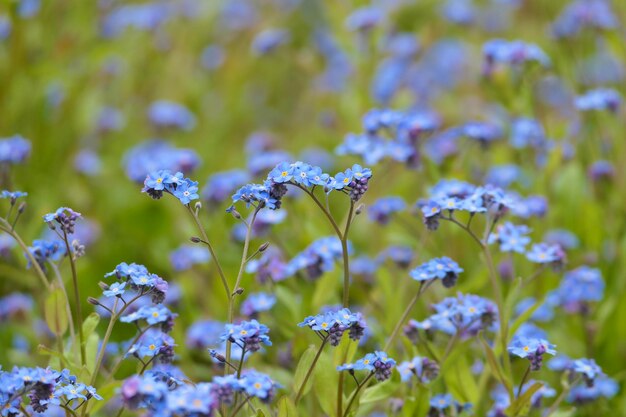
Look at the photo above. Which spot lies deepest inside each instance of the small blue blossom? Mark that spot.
(510, 237)
(248, 334)
(115, 290)
(378, 363)
(443, 268)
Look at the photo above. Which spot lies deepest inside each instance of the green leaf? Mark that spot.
(326, 379)
(303, 367)
(55, 311)
(521, 405)
(286, 407)
(90, 324)
(91, 351)
(378, 392)
(494, 365)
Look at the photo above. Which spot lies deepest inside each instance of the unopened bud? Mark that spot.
(235, 214)
(195, 239)
(93, 301)
(198, 205)
(103, 285)
(264, 247)
(359, 209)
(239, 291)
(22, 207)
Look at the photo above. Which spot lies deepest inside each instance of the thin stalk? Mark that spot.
(450, 346)
(121, 359)
(346, 259)
(340, 394)
(310, 371)
(356, 393)
(107, 335)
(405, 315)
(207, 242)
(521, 384)
(5, 227)
(79, 312)
(558, 401)
(324, 209)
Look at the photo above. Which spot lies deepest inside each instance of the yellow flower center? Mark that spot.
(434, 210)
(284, 174)
(243, 332)
(155, 314)
(257, 385)
(366, 361)
(324, 325)
(526, 348)
(152, 347)
(159, 180)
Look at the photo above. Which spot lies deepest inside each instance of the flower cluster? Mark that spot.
(499, 52)
(510, 237)
(158, 182)
(599, 99)
(424, 369)
(65, 217)
(14, 150)
(578, 288)
(465, 314)
(383, 208)
(547, 254)
(186, 256)
(257, 303)
(152, 315)
(319, 257)
(44, 388)
(153, 344)
(531, 349)
(45, 251)
(139, 279)
(333, 324)
(455, 195)
(352, 181)
(442, 268)
(167, 114)
(581, 14)
(403, 131)
(248, 335)
(377, 363)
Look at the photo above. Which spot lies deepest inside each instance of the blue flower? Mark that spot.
(424, 369)
(510, 237)
(257, 302)
(378, 362)
(187, 191)
(282, 173)
(524, 347)
(248, 334)
(164, 113)
(14, 150)
(543, 253)
(599, 99)
(443, 268)
(441, 401)
(12, 195)
(383, 208)
(335, 322)
(157, 180)
(588, 368)
(258, 385)
(602, 387)
(115, 290)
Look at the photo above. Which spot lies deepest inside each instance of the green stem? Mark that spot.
(356, 392)
(107, 335)
(346, 258)
(405, 315)
(79, 311)
(207, 242)
(521, 384)
(310, 371)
